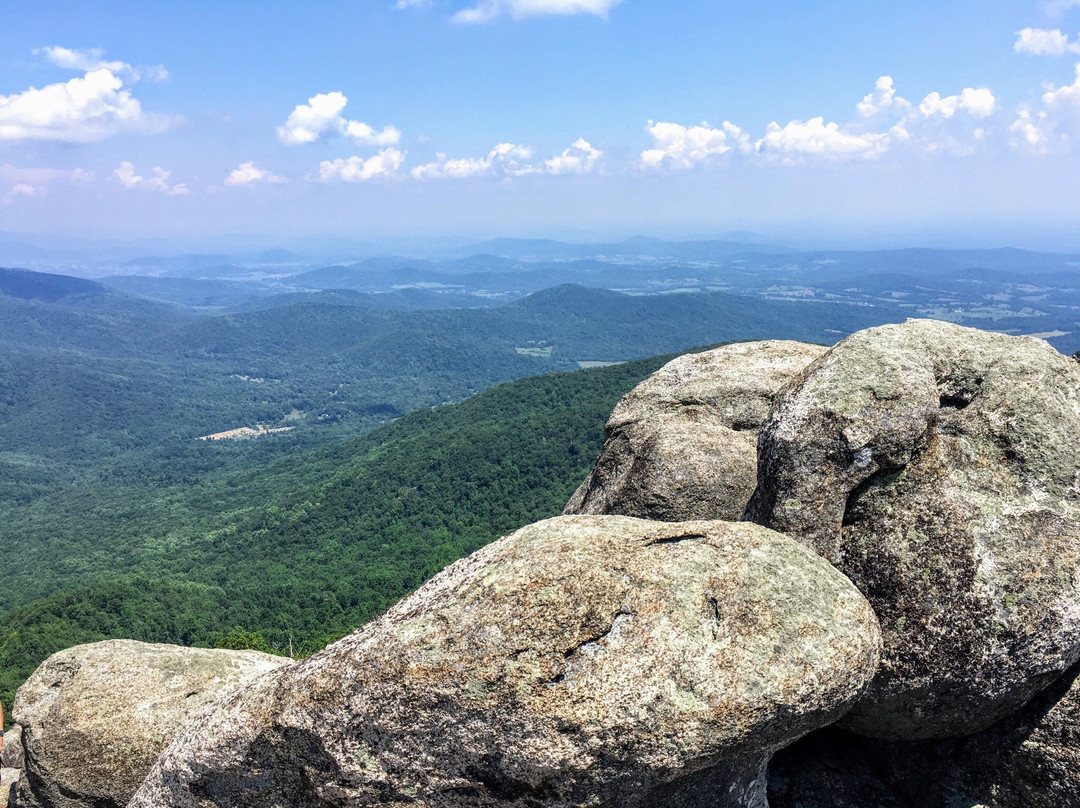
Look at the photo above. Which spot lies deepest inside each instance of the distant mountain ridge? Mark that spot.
(29, 285)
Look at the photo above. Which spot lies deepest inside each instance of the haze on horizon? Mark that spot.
(890, 124)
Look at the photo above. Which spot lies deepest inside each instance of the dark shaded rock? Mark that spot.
(939, 468)
(1029, 760)
(828, 769)
(95, 717)
(584, 660)
(683, 443)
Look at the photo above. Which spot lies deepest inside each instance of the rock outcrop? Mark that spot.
(683, 443)
(938, 468)
(95, 717)
(584, 660)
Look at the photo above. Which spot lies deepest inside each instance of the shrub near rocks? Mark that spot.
(582, 661)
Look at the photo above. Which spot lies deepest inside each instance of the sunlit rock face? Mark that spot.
(582, 661)
(683, 443)
(938, 467)
(95, 717)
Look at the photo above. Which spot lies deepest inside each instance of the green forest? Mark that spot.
(293, 555)
(117, 521)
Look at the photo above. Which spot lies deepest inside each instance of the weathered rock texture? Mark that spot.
(939, 468)
(583, 660)
(13, 751)
(683, 443)
(95, 717)
(1029, 760)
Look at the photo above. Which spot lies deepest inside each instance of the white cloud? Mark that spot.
(798, 139)
(85, 109)
(400, 4)
(357, 169)
(681, 147)
(978, 103)
(127, 177)
(247, 174)
(1053, 126)
(1065, 98)
(506, 159)
(579, 158)
(321, 115)
(884, 122)
(93, 59)
(883, 100)
(1030, 130)
(1044, 42)
(488, 10)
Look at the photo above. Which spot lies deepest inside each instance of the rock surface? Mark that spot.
(939, 468)
(683, 443)
(95, 717)
(12, 756)
(584, 660)
(1029, 760)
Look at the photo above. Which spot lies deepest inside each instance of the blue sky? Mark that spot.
(911, 120)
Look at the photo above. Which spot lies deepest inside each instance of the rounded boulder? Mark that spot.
(582, 661)
(95, 717)
(938, 467)
(683, 443)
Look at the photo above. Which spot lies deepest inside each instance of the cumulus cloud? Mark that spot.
(357, 169)
(506, 159)
(977, 103)
(247, 174)
(127, 177)
(92, 59)
(84, 109)
(681, 147)
(488, 10)
(321, 115)
(882, 100)
(799, 139)
(1044, 42)
(884, 122)
(579, 158)
(1051, 126)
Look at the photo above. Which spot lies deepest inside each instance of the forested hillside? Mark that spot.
(295, 554)
(116, 520)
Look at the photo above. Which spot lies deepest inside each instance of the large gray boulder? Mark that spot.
(582, 661)
(95, 717)
(938, 467)
(683, 443)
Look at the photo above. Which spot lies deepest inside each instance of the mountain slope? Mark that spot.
(309, 547)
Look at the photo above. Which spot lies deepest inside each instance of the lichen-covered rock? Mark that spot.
(95, 717)
(683, 443)
(582, 661)
(939, 468)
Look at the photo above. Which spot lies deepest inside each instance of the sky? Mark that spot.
(915, 120)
